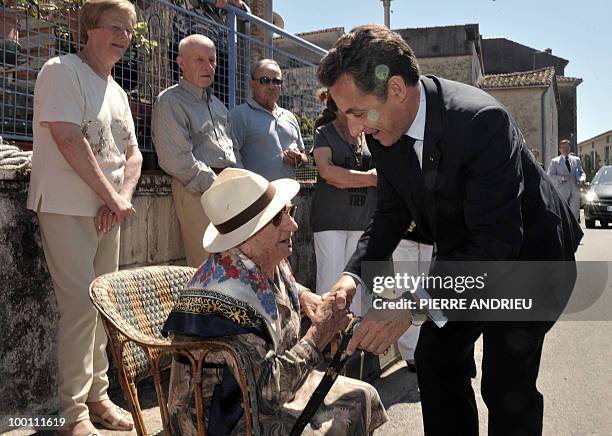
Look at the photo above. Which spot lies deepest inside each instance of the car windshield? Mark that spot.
(603, 177)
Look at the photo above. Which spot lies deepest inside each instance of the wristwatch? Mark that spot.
(418, 318)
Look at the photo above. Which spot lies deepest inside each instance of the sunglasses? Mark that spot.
(278, 218)
(265, 80)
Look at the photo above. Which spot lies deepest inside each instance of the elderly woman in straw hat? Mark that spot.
(245, 294)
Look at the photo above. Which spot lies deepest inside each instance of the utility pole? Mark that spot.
(387, 6)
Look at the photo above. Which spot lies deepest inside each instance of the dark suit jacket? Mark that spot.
(485, 196)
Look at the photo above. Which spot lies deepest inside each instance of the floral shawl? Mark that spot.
(231, 286)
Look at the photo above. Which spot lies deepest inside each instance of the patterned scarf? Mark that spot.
(231, 286)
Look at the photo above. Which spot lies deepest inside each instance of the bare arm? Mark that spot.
(341, 177)
(133, 164)
(76, 150)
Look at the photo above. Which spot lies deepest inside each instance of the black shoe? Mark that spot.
(411, 365)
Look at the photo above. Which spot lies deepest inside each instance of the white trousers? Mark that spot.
(76, 253)
(408, 253)
(333, 249)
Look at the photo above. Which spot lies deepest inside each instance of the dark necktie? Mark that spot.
(567, 164)
(417, 188)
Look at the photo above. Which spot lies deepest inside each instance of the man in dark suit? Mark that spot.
(451, 158)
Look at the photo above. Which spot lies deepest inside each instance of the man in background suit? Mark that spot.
(566, 170)
(452, 159)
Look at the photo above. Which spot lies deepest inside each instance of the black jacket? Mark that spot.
(485, 197)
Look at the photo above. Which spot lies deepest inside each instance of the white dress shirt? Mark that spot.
(417, 128)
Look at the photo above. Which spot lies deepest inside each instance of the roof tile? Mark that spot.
(536, 78)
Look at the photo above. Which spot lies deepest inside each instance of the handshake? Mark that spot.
(329, 315)
(327, 319)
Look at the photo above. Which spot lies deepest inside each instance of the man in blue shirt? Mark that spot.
(268, 136)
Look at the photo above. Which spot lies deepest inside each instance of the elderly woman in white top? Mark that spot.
(85, 167)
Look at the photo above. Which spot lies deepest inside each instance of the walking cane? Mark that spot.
(332, 372)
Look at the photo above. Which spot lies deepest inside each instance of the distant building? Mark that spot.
(532, 98)
(452, 52)
(529, 82)
(324, 38)
(300, 81)
(568, 110)
(503, 56)
(596, 152)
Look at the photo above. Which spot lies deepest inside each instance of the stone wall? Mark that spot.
(458, 68)
(28, 312)
(525, 105)
(535, 111)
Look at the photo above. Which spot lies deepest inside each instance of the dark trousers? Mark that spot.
(510, 365)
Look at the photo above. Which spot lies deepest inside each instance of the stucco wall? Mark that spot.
(525, 106)
(458, 68)
(593, 153)
(28, 312)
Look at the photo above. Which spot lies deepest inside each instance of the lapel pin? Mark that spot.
(431, 159)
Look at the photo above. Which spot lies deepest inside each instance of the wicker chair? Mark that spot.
(134, 305)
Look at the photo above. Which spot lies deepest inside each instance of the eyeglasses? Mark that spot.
(118, 30)
(265, 80)
(278, 218)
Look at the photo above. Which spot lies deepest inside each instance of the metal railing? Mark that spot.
(47, 28)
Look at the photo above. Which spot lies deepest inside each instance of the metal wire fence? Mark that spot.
(35, 30)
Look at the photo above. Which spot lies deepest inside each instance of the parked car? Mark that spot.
(598, 204)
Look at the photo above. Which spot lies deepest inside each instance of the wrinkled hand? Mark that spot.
(293, 156)
(376, 335)
(327, 321)
(343, 291)
(122, 208)
(105, 219)
(309, 302)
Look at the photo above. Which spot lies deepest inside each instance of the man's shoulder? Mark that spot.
(241, 108)
(217, 103)
(288, 115)
(462, 97)
(286, 111)
(169, 93)
(555, 160)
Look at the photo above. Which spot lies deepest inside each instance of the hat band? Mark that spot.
(249, 213)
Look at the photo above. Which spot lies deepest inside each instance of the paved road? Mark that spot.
(575, 375)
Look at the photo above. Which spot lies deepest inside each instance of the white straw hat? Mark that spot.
(239, 203)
